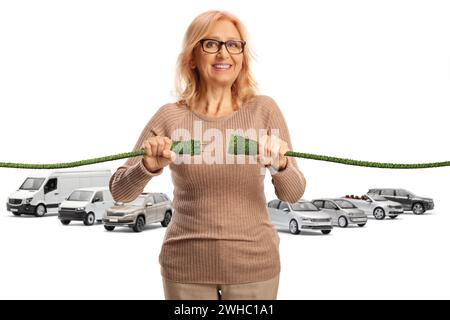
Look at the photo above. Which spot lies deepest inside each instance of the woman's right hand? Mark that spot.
(157, 153)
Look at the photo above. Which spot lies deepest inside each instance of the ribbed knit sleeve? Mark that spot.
(289, 183)
(130, 179)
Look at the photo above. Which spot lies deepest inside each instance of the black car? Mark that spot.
(409, 201)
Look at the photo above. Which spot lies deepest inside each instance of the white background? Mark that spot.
(359, 79)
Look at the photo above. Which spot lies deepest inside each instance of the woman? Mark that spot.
(220, 243)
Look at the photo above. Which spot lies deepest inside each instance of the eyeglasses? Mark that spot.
(214, 46)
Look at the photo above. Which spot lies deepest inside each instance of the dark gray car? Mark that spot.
(409, 201)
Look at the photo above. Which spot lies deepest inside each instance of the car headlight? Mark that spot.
(28, 200)
(81, 208)
(306, 220)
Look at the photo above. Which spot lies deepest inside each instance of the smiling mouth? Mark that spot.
(221, 66)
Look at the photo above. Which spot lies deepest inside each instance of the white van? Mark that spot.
(85, 204)
(43, 192)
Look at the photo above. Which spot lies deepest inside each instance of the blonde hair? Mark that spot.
(187, 83)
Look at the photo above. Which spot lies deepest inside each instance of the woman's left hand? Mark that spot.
(271, 150)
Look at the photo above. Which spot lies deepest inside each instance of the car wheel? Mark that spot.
(361, 225)
(343, 222)
(418, 208)
(65, 222)
(293, 227)
(167, 218)
(139, 225)
(89, 219)
(326, 231)
(393, 217)
(110, 228)
(379, 213)
(40, 210)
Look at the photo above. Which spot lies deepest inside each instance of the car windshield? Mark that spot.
(304, 206)
(138, 202)
(32, 184)
(378, 198)
(79, 195)
(344, 204)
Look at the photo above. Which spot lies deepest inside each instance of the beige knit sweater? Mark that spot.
(220, 231)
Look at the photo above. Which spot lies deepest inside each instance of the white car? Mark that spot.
(342, 212)
(301, 215)
(379, 206)
(86, 204)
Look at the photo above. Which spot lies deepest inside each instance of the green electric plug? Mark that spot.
(191, 147)
(241, 145)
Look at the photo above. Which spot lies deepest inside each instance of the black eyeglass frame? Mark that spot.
(221, 43)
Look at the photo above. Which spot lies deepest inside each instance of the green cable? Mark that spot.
(238, 145)
(241, 145)
(191, 147)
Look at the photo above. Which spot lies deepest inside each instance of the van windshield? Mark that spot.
(80, 196)
(32, 184)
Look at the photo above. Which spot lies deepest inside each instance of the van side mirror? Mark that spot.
(286, 209)
(149, 204)
(336, 208)
(96, 200)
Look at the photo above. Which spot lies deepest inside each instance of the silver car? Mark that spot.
(301, 215)
(147, 208)
(379, 206)
(342, 212)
